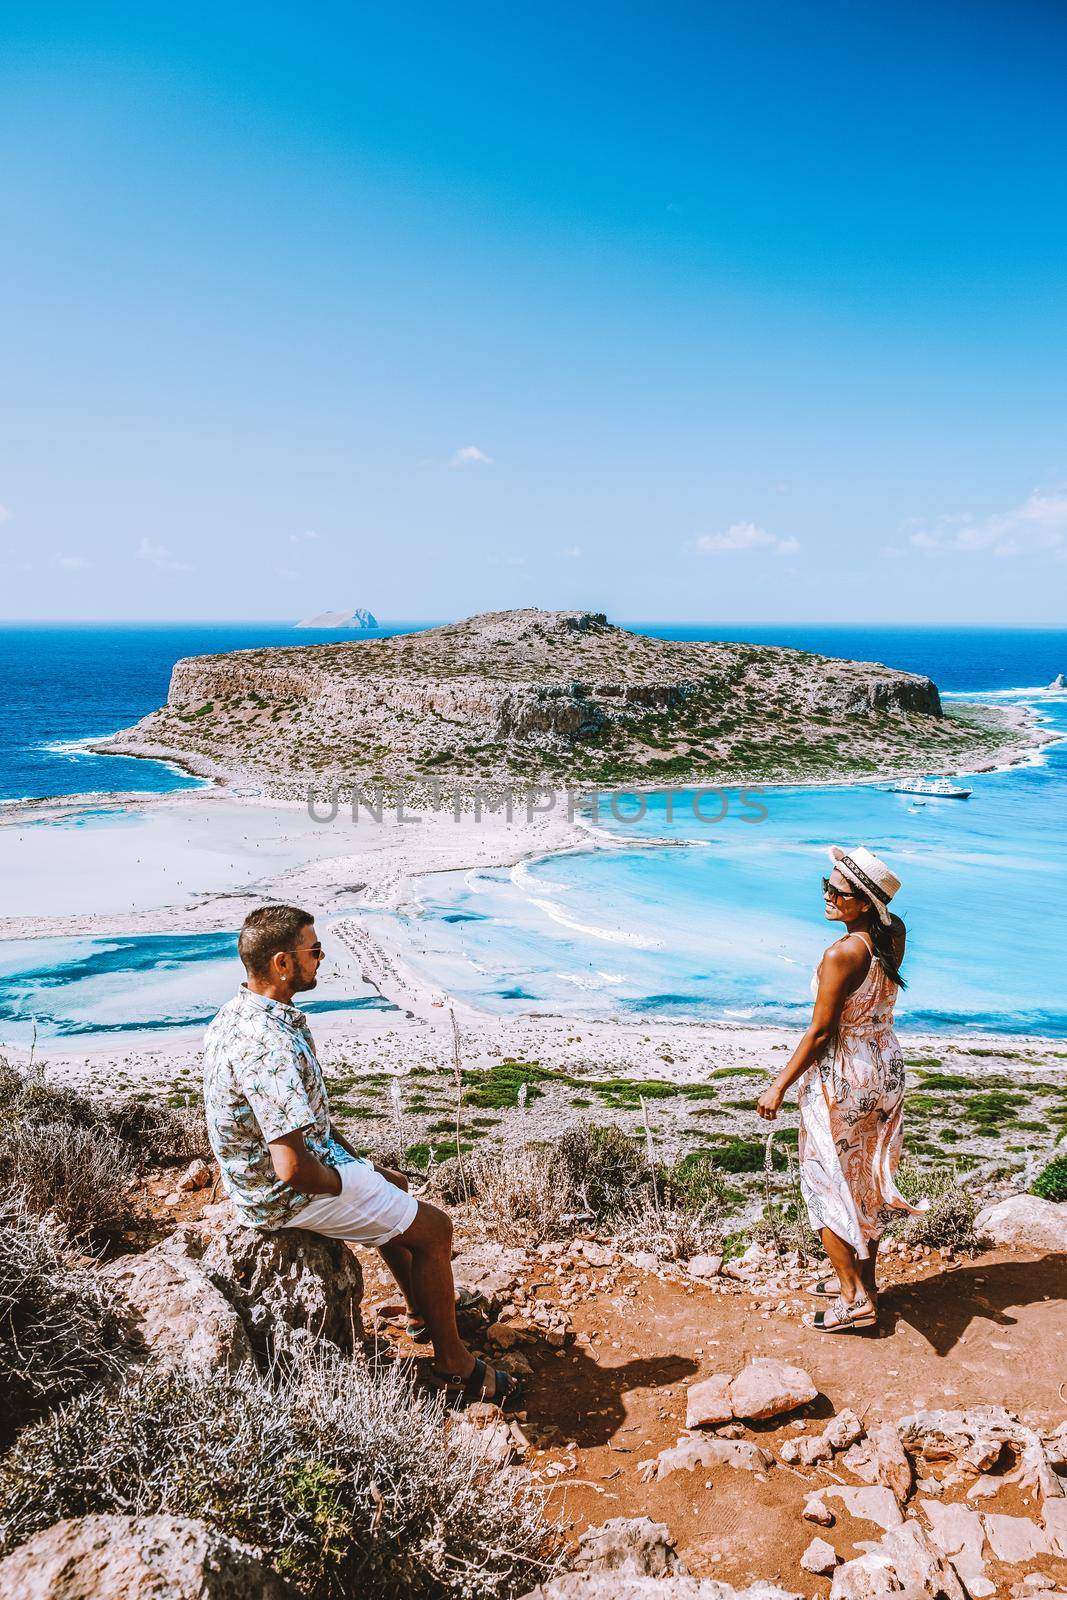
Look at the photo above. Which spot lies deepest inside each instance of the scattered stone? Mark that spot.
(704, 1267)
(597, 1255)
(503, 1335)
(768, 1387)
(137, 1558)
(880, 1458)
(1055, 1519)
(843, 1430)
(178, 1315)
(957, 1532)
(811, 1451)
(820, 1558)
(644, 1260)
(905, 1563)
(616, 1586)
(491, 1271)
(1014, 1538)
(1025, 1221)
(197, 1175)
(633, 1545)
(816, 1510)
(697, 1450)
(708, 1403)
(869, 1505)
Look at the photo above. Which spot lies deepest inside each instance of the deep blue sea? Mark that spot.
(726, 928)
(61, 682)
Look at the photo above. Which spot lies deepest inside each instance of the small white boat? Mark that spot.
(932, 788)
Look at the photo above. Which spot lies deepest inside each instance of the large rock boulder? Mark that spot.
(137, 1558)
(1025, 1221)
(178, 1315)
(286, 1285)
(765, 1388)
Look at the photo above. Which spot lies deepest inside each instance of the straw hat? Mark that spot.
(869, 874)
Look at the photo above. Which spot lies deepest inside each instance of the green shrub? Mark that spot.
(347, 1480)
(600, 1165)
(1051, 1181)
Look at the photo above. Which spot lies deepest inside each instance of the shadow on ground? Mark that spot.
(942, 1308)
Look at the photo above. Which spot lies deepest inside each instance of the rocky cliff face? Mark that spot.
(540, 695)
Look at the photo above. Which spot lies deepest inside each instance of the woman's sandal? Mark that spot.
(830, 1289)
(825, 1289)
(463, 1392)
(843, 1317)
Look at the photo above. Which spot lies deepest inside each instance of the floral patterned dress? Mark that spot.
(851, 1119)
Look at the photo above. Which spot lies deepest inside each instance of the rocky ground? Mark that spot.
(693, 1438)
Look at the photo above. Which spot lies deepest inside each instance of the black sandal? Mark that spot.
(462, 1392)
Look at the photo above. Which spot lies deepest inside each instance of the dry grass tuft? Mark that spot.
(60, 1326)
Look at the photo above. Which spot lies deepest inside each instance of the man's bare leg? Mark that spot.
(395, 1255)
(428, 1242)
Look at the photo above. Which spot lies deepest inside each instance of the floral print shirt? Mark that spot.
(262, 1080)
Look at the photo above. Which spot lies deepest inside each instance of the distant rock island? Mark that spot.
(560, 698)
(340, 619)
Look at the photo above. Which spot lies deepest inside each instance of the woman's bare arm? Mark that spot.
(840, 965)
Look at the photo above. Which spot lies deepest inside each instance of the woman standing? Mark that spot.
(851, 1124)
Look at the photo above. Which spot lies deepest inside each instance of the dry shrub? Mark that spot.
(527, 1193)
(348, 1481)
(517, 1193)
(60, 1327)
(668, 1231)
(949, 1223)
(75, 1156)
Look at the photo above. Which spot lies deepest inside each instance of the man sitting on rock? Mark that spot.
(284, 1166)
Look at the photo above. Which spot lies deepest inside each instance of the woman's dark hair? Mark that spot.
(883, 938)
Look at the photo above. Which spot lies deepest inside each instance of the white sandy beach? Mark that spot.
(198, 861)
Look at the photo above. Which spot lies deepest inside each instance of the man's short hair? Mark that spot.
(267, 930)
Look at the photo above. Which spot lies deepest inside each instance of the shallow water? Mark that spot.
(76, 988)
(730, 926)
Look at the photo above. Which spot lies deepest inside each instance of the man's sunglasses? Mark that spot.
(832, 892)
(315, 950)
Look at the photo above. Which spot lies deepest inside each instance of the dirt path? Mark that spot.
(991, 1330)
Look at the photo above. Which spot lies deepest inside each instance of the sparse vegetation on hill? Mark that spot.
(522, 698)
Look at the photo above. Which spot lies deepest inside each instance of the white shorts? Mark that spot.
(369, 1210)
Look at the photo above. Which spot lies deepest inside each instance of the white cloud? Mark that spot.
(1038, 526)
(5, 514)
(66, 563)
(287, 574)
(159, 556)
(471, 456)
(303, 538)
(574, 552)
(746, 536)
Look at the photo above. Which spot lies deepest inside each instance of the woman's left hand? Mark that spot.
(769, 1103)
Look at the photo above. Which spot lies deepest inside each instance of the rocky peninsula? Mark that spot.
(557, 698)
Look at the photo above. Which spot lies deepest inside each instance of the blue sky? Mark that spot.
(729, 312)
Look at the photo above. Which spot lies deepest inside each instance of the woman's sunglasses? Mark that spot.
(832, 892)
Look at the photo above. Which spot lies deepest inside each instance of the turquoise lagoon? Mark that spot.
(77, 989)
(670, 917)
